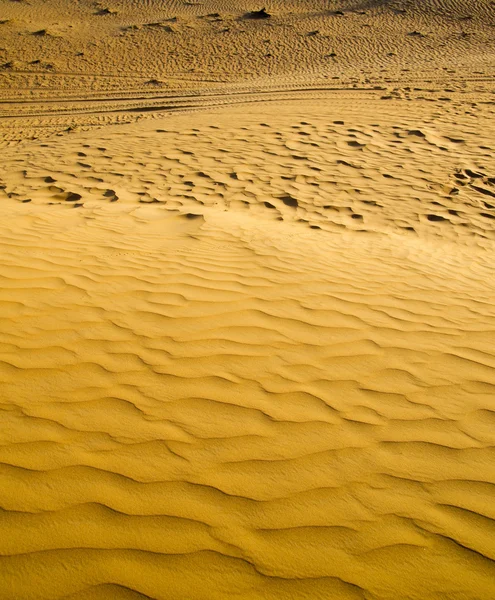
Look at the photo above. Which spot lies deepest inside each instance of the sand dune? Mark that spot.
(247, 312)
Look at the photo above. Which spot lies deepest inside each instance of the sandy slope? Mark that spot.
(247, 327)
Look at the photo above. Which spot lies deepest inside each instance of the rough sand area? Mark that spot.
(247, 308)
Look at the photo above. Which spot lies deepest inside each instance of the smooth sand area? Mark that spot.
(247, 310)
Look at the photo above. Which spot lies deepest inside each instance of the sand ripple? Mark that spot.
(247, 348)
(191, 407)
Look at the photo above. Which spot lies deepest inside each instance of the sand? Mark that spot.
(247, 300)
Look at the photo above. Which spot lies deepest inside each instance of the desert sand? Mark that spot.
(247, 300)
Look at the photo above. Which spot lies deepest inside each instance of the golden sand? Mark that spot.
(247, 302)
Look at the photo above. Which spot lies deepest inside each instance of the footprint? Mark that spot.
(290, 201)
(72, 197)
(473, 174)
(483, 191)
(436, 218)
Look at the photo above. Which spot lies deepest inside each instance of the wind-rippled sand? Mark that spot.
(248, 352)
